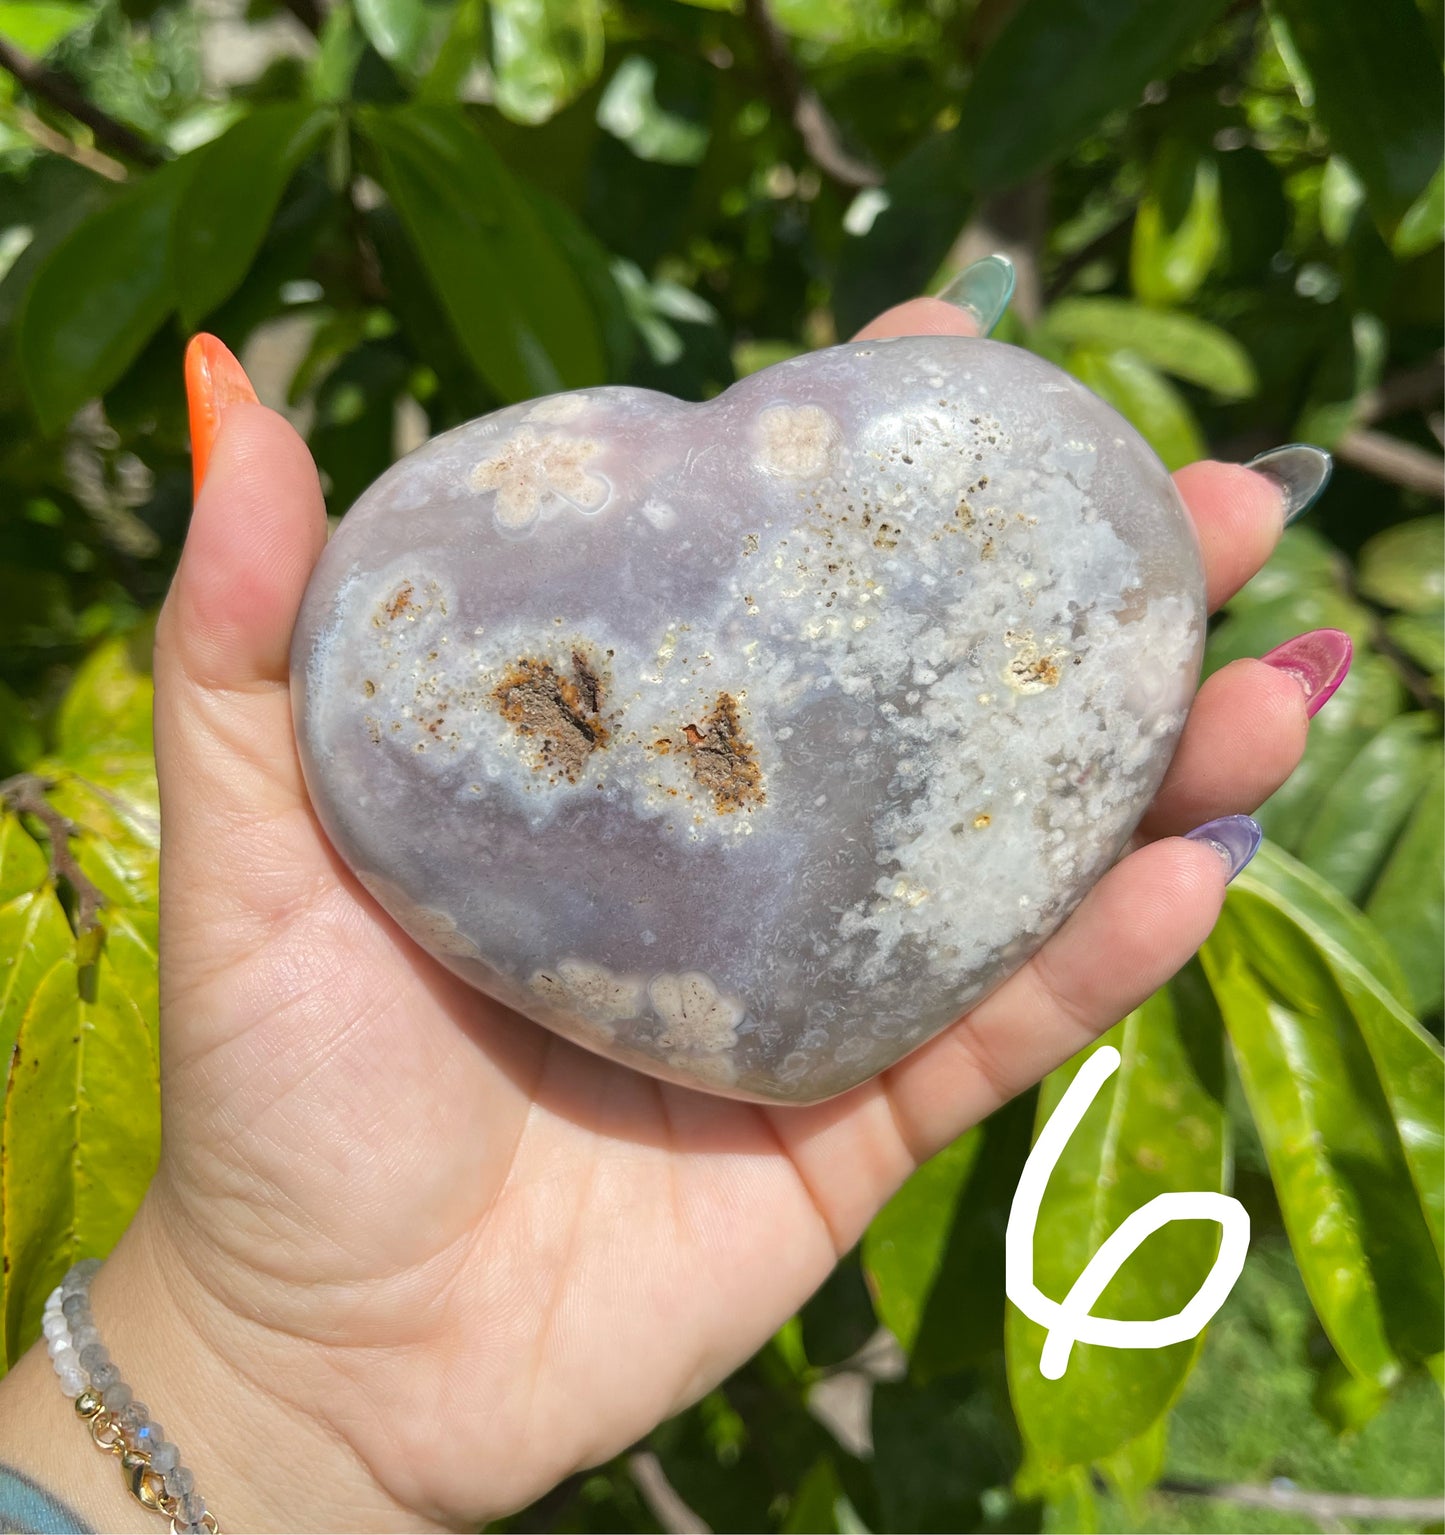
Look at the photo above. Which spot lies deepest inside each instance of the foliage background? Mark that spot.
(1227, 220)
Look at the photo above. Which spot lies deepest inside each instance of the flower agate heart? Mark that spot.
(749, 743)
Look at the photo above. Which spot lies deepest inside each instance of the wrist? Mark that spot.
(228, 1390)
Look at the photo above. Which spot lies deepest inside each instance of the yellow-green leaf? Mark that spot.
(1178, 228)
(544, 54)
(903, 1248)
(1345, 1091)
(1177, 344)
(1158, 1125)
(1145, 398)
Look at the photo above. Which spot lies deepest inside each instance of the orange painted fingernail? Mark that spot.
(214, 381)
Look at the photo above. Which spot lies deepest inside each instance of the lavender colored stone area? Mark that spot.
(749, 743)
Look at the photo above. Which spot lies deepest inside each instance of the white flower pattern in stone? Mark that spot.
(532, 473)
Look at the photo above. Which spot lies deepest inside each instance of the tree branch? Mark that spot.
(1388, 458)
(1410, 389)
(62, 92)
(56, 142)
(1321, 1505)
(788, 88)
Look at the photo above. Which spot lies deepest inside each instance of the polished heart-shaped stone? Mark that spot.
(749, 743)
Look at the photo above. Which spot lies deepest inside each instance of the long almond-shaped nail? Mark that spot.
(214, 381)
(1319, 661)
(1302, 471)
(1235, 838)
(984, 290)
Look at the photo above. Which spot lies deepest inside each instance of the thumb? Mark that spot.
(257, 529)
(225, 747)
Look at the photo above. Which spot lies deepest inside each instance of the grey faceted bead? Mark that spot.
(179, 1481)
(104, 1376)
(93, 1355)
(164, 1455)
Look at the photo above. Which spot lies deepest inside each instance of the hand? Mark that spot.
(433, 1256)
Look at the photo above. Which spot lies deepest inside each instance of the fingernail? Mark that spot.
(1319, 661)
(214, 382)
(1235, 838)
(984, 290)
(1302, 470)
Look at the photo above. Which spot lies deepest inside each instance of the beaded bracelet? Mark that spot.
(120, 1425)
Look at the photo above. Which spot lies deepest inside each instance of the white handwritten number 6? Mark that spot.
(1069, 1322)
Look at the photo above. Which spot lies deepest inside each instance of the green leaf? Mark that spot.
(397, 29)
(1345, 1093)
(1157, 1125)
(1423, 226)
(20, 739)
(936, 1450)
(1341, 197)
(1374, 82)
(1058, 68)
(1178, 229)
(1364, 808)
(1407, 902)
(229, 204)
(1351, 367)
(38, 25)
(34, 939)
(821, 1506)
(1408, 1061)
(1178, 344)
(1144, 397)
(914, 220)
(705, 1453)
(109, 700)
(631, 112)
(519, 310)
(1135, 1467)
(457, 53)
(84, 321)
(1422, 637)
(839, 1318)
(545, 53)
(1331, 921)
(1055, 70)
(903, 1249)
(339, 50)
(1404, 567)
(963, 1314)
(38, 1141)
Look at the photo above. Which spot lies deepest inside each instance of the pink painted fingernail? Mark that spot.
(1319, 661)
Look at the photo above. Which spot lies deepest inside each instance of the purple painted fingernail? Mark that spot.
(1319, 661)
(1235, 838)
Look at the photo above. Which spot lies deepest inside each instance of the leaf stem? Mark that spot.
(25, 795)
(796, 99)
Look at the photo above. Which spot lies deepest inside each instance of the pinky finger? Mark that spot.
(1133, 931)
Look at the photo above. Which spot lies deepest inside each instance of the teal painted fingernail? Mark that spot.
(1302, 470)
(984, 290)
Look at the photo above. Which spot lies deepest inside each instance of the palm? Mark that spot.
(531, 1255)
